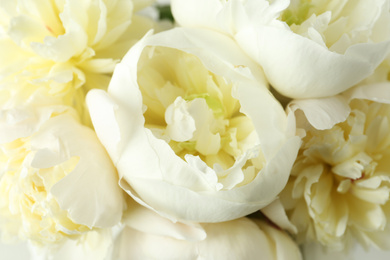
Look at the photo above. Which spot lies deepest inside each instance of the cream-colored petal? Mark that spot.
(275, 212)
(326, 73)
(90, 192)
(323, 113)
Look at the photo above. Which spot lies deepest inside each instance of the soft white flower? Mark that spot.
(308, 49)
(56, 179)
(64, 45)
(339, 186)
(193, 134)
(148, 236)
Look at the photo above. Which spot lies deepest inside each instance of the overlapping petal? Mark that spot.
(52, 186)
(194, 184)
(321, 48)
(68, 46)
(237, 239)
(338, 190)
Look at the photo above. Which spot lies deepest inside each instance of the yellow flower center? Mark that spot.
(193, 109)
(297, 13)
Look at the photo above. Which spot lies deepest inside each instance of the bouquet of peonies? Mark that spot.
(194, 129)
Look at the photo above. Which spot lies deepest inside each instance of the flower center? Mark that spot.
(354, 169)
(192, 124)
(297, 12)
(193, 109)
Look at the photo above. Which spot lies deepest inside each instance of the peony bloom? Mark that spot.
(242, 238)
(193, 134)
(50, 184)
(321, 48)
(339, 185)
(64, 45)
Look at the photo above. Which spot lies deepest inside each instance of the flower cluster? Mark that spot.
(241, 129)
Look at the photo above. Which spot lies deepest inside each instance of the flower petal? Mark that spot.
(326, 73)
(196, 13)
(246, 239)
(275, 212)
(378, 92)
(323, 113)
(285, 247)
(90, 192)
(145, 220)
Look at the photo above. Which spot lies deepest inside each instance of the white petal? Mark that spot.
(275, 212)
(112, 27)
(75, 39)
(25, 29)
(244, 238)
(285, 247)
(90, 192)
(102, 111)
(181, 125)
(196, 13)
(323, 113)
(145, 220)
(186, 185)
(264, 111)
(22, 121)
(309, 70)
(378, 92)
(219, 53)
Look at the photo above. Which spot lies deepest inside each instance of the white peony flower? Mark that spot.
(193, 135)
(64, 45)
(56, 179)
(339, 186)
(308, 49)
(237, 239)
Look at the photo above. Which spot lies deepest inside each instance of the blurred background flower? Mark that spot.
(338, 191)
(51, 186)
(67, 46)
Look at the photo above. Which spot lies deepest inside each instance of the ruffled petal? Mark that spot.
(102, 203)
